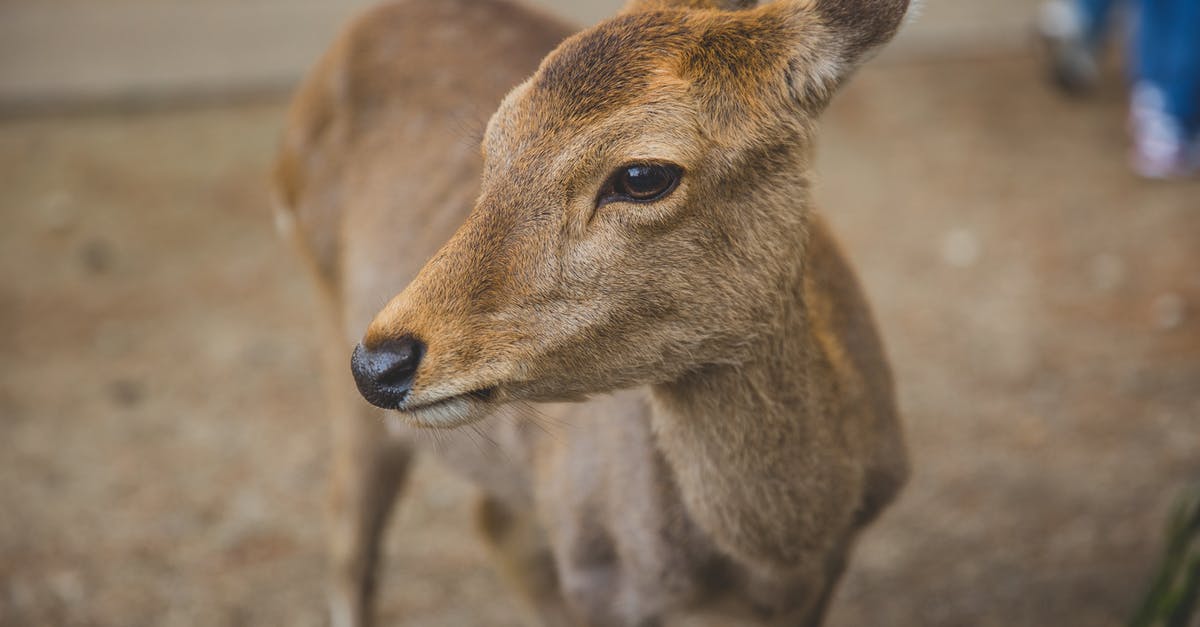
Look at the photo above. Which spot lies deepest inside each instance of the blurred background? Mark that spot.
(162, 446)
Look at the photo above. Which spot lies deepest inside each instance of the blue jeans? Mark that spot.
(1166, 50)
(1167, 56)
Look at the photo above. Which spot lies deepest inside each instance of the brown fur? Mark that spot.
(742, 426)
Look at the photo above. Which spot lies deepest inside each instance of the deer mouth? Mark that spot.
(451, 411)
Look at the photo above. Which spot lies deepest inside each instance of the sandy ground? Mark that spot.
(162, 447)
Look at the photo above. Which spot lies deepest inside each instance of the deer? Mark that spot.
(619, 281)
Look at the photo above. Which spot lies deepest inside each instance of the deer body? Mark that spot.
(715, 418)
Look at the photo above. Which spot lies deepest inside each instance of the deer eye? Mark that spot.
(640, 182)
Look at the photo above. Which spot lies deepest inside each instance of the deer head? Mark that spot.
(642, 215)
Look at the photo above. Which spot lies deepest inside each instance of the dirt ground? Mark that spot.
(162, 447)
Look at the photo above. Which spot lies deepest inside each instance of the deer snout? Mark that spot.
(384, 374)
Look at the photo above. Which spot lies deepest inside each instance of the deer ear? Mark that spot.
(642, 6)
(832, 38)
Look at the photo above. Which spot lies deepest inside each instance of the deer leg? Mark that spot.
(824, 585)
(369, 468)
(816, 615)
(519, 549)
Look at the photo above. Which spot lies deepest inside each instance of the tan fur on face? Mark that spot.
(538, 276)
(742, 427)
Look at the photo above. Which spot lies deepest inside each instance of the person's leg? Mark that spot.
(1152, 29)
(1182, 65)
(1164, 110)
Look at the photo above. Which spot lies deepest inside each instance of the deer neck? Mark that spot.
(757, 448)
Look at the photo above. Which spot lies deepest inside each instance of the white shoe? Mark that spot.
(1161, 150)
(1074, 66)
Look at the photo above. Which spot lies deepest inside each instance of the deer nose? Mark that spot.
(384, 374)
